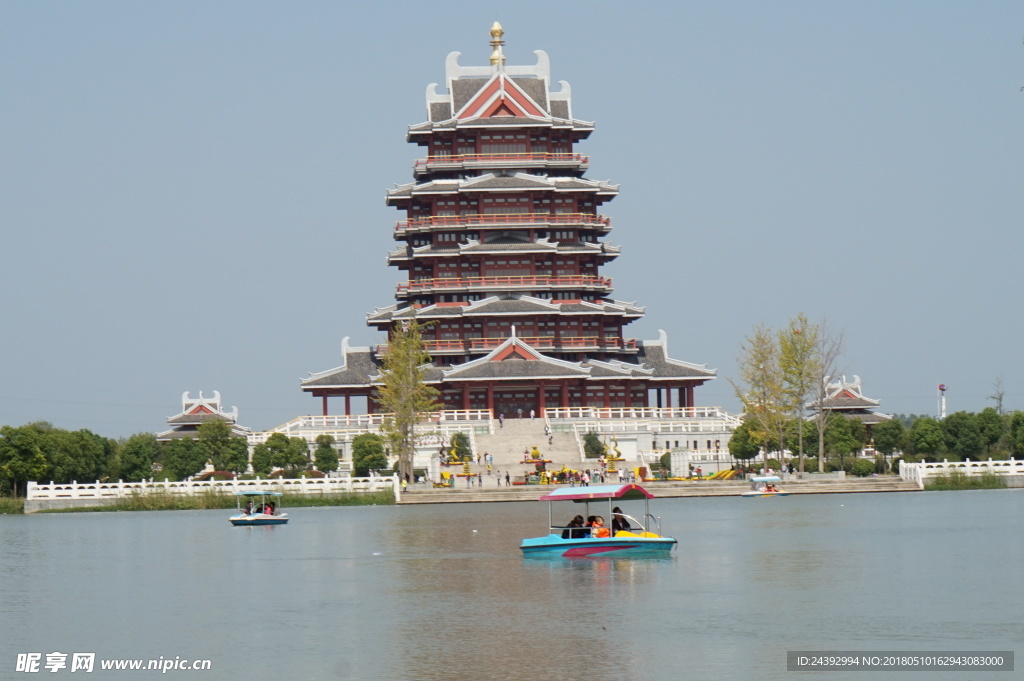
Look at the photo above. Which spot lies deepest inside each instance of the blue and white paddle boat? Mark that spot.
(765, 486)
(264, 512)
(623, 536)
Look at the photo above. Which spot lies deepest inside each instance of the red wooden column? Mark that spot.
(565, 394)
(348, 405)
(606, 397)
(465, 396)
(540, 399)
(490, 399)
(324, 399)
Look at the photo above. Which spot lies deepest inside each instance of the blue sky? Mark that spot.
(192, 193)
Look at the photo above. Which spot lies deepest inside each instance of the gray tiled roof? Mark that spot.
(652, 355)
(360, 365)
(463, 89)
(536, 88)
(515, 367)
(440, 111)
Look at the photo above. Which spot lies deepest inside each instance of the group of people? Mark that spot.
(268, 508)
(594, 526)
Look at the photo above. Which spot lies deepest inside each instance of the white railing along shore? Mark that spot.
(120, 489)
(920, 472)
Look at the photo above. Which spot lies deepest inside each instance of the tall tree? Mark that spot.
(889, 436)
(290, 454)
(325, 457)
(742, 446)
(963, 436)
(225, 451)
(997, 394)
(21, 457)
(183, 457)
(135, 457)
(926, 437)
(992, 426)
(1017, 433)
(828, 349)
(404, 396)
(798, 363)
(368, 454)
(760, 388)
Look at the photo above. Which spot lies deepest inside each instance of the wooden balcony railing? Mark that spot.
(439, 222)
(503, 159)
(504, 283)
(456, 346)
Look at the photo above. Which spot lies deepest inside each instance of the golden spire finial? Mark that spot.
(497, 58)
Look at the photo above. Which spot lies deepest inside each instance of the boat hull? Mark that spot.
(554, 545)
(258, 519)
(765, 494)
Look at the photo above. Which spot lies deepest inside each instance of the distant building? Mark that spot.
(847, 399)
(197, 411)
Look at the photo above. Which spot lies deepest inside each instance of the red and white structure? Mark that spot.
(502, 240)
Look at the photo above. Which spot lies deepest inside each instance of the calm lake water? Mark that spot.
(442, 592)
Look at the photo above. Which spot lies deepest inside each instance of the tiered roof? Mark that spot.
(846, 398)
(197, 411)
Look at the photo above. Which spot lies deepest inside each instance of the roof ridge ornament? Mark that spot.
(497, 57)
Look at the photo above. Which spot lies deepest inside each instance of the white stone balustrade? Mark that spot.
(920, 472)
(119, 489)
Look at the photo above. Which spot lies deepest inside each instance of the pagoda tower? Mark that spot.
(502, 243)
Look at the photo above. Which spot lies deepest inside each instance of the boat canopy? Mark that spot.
(584, 494)
(765, 478)
(258, 493)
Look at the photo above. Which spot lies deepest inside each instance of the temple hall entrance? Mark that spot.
(512, 403)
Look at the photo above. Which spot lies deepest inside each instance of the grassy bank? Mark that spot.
(958, 480)
(11, 505)
(158, 501)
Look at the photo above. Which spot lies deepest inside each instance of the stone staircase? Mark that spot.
(508, 444)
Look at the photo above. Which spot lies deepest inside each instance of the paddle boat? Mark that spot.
(573, 540)
(765, 486)
(256, 515)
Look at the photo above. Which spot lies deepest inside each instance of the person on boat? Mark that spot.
(619, 522)
(574, 529)
(248, 507)
(589, 526)
(598, 529)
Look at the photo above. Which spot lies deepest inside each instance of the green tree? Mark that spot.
(593, 447)
(227, 452)
(404, 395)
(135, 457)
(798, 363)
(841, 438)
(742, 445)
(889, 437)
(962, 435)
(760, 388)
(926, 438)
(183, 457)
(992, 426)
(261, 459)
(73, 455)
(290, 454)
(21, 457)
(325, 457)
(368, 454)
(1017, 433)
